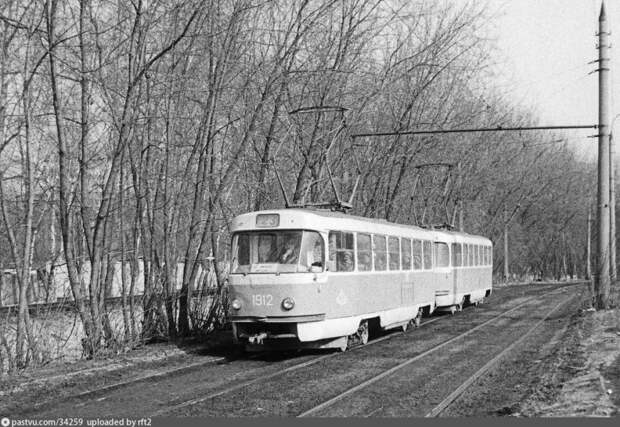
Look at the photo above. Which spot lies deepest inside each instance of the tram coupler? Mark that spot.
(258, 338)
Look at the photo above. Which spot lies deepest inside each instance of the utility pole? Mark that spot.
(589, 247)
(460, 202)
(602, 280)
(564, 265)
(613, 271)
(506, 265)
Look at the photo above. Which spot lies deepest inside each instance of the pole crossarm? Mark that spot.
(496, 129)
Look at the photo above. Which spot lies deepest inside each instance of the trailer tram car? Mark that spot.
(303, 278)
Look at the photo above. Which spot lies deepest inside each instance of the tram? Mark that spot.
(306, 278)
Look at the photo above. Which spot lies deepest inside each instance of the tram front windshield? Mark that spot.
(279, 251)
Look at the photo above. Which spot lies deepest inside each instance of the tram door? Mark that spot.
(442, 266)
(407, 288)
(457, 261)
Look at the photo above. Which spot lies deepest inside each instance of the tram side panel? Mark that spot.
(393, 297)
(469, 286)
(424, 287)
(474, 276)
(475, 283)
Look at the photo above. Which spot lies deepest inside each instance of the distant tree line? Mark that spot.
(134, 131)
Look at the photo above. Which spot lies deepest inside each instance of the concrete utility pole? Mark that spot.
(460, 203)
(588, 247)
(613, 271)
(506, 265)
(602, 280)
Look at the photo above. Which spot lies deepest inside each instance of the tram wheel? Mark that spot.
(452, 309)
(363, 333)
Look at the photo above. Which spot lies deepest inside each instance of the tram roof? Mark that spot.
(240, 222)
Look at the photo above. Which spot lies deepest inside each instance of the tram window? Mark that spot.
(456, 255)
(416, 255)
(480, 258)
(393, 253)
(405, 260)
(267, 248)
(278, 251)
(428, 255)
(379, 252)
(476, 258)
(311, 256)
(243, 258)
(364, 252)
(471, 255)
(341, 251)
(465, 255)
(442, 255)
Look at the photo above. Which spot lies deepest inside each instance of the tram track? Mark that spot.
(428, 352)
(192, 404)
(98, 394)
(162, 374)
(445, 403)
(239, 386)
(95, 396)
(93, 393)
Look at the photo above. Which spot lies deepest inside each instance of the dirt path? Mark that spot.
(582, 376)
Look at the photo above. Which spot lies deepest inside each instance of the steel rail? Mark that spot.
(280, 372)
(98, 369)
(211, 361)
(163, 374)
(390, 371)
(121, 384)
(490, 364)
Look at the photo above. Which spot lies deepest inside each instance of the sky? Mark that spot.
(543, 61)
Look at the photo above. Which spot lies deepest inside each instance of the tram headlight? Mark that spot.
(236, 304)
(288, 303)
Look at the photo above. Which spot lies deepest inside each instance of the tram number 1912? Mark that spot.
(262, 299)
